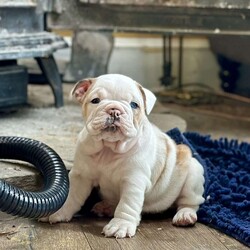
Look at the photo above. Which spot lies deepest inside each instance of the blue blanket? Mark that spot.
(227, 182)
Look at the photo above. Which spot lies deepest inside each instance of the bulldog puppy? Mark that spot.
(137, 167)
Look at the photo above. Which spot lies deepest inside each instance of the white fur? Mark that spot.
(137, 167)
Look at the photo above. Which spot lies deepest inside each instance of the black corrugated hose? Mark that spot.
(56, 183)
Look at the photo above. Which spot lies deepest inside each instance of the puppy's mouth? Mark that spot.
(111, 124)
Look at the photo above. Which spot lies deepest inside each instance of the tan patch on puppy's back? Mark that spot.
(183, 155)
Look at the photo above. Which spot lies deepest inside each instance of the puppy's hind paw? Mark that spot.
(103, 208)
(185, 217)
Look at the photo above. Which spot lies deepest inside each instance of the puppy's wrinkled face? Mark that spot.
(113, 106)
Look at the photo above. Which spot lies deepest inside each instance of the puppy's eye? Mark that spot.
(95, 100)
(134, 105)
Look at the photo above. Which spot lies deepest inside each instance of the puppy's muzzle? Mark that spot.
(114, 116)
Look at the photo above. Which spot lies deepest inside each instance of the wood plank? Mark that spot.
(15, 233)
(163, 235)
(85, 233)
(60, 236)
(21, 233)
(92, 229)
(228, 241)
(129, 17)
(226, 4)
(159, 234)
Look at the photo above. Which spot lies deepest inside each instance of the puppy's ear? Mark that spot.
(148, 97)
(80, 89)
(150, 100)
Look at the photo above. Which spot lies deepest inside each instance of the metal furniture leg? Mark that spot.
(180, 63)
(167, 78)
(50, 70)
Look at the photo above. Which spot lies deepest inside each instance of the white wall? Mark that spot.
(141, 58)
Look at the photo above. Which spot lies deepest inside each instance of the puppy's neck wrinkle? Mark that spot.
(121, 147)
(104, 157)
(113, 151)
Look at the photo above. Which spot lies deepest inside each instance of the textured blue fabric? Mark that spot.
(227, 182)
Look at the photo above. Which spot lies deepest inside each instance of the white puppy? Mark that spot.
(137, 167)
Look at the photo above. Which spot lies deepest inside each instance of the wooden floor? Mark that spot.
(84, 233)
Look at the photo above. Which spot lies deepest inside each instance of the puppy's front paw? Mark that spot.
(119, 228)
(185, 217)
(56, 217)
